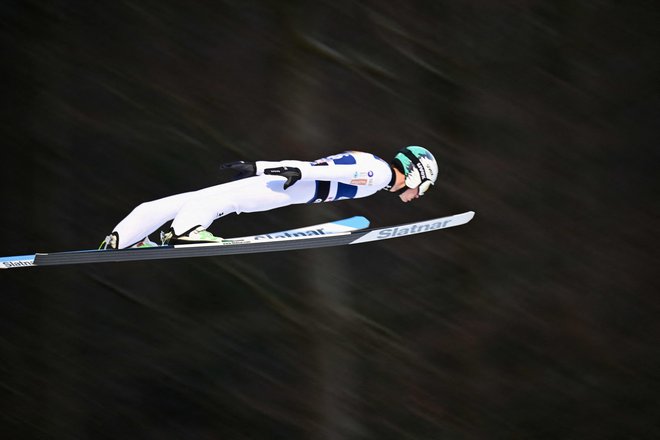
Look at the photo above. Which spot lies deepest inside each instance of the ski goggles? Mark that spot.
(421, 188)
(424, 186)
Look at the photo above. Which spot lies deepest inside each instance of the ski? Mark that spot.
(333, 227)
(303, 238)
(345, 225)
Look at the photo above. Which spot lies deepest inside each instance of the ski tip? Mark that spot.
(357, 222)
(461, 219)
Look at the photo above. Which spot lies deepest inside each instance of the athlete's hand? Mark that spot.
(292, 174)
(243, 169)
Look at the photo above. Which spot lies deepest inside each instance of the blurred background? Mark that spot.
(539, 319)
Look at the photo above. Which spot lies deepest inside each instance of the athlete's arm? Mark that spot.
(311, 171)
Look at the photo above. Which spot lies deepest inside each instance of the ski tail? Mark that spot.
(17, 261)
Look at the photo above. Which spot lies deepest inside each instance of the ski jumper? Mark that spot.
(349, 175)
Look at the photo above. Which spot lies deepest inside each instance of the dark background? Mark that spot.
(539, 319)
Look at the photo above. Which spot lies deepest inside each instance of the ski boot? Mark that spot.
(144, 243)
(195, 235)
(110, 242)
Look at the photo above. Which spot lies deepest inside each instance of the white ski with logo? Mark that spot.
(343, 232)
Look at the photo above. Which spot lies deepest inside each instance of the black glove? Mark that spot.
(292, 174)
(243, 169)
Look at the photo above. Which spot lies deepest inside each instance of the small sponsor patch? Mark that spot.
(359, 182)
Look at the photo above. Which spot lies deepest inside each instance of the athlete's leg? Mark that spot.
(147, 217)
(260, 193)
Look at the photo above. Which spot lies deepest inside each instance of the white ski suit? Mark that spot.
(349, 175)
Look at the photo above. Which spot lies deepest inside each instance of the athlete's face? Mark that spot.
(409, 194)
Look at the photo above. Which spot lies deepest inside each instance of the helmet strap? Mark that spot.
(416, 163)
(396, 165)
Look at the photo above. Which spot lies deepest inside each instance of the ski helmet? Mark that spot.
(419, 167)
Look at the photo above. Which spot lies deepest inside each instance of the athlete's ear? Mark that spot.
(243, 169)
